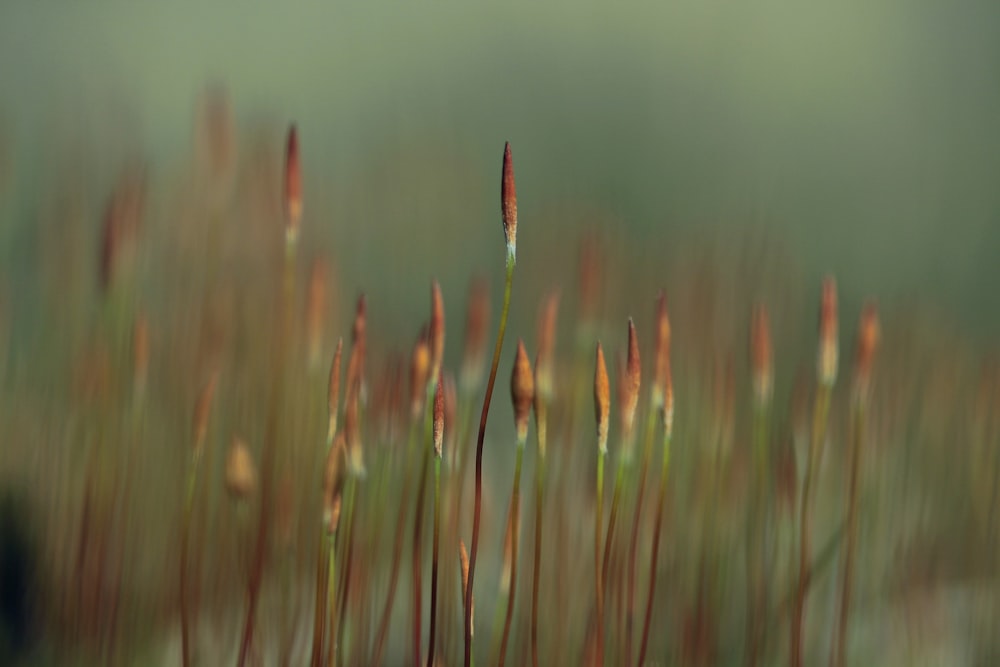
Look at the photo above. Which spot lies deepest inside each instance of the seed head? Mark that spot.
(602, 400)
(632, 378)
(522, 392)
(436, 331)
(352, 427)
(241, 474)
(463, 559)
(508, 203)
(869, 333)
(333, 483)
(761, 362)
(420, 364)
(293, 185)
(662, 354)
(438, 419)
(333, 393)
(826, 360)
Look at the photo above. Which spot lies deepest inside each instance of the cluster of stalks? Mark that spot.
(397, 428)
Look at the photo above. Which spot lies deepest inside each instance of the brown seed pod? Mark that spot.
(508, 203)
(333, 392)
(827, 357)
(661, 354)
(436, 332)
(293, 185)
(476, 324)
(241, 474)
(463, 559)
(602, 400)
(438, 424)
(420, 364)
(352, 428)
(761, 361)
(633, 380)
(333, 483)
(869, 333)
(522, 392)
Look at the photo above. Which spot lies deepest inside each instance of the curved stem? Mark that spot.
(539, 497)
(479, 460)
(815, 455)
(840, 645)
(647, 451)
(514, 531)
(397, 556)
(434, 562)
(185, 537)
(661, 501)
(598, 574)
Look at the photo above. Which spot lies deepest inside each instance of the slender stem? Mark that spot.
(514, 531)
(434, 562)
(319, 611)
(479, 459)
(598, 574)
(612, 520)
(815, 455)
(647, 452)
(267, 458)
(539, 497)
(415, 572)
(756, 530)
(397, 554)
(185, 537)
(332, 600)
(661, 502)
(840, 645)
(351, 512)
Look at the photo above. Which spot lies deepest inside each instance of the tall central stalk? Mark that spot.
(477, 508)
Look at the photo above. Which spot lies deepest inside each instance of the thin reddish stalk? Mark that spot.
(477, 510)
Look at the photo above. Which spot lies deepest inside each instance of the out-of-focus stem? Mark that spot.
(598, 567)
(515, 508)
(661, 501)
(820, 412)
(434, 562)
(840, 645)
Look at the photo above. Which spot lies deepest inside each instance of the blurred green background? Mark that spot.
(865, 135)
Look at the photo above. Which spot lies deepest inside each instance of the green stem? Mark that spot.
(539, 497)
(840, 645)
(514, 531)
(479, 459)
(434, 562)
(331, 574)
(647, 453)
(397, 554)
(815, 455)
(661, 501)
(598, 574)
(185, 537)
